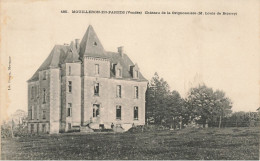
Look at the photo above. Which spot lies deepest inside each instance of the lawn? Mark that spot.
(211, 143)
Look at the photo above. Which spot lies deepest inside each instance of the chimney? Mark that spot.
(77, 43)
(121, 50)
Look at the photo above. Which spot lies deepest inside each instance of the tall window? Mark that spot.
(32, 128)
(36, 112)
(44, 96)
(69, 110)
(96, 89)
(44, 75)
(36, 91)
(43, 114)
(69, 70)
(135, 113)
(30, 114)
(118, 91)
(136, 92)
(43, 128)
(96, 68)
(32, 92)
(96, 110)
(69, 126)
(118, 112)
(70, 86)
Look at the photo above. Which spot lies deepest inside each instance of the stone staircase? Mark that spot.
(86, 129)
(94, 127)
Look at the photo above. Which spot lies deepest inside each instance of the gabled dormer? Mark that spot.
(134, 70)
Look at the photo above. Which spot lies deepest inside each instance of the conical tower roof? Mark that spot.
(90, 44)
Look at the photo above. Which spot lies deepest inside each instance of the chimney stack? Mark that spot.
(77, 43)
(121, 50)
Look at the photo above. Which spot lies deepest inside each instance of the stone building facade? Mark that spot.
(82, 85)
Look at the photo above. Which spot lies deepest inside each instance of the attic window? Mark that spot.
(95, 43)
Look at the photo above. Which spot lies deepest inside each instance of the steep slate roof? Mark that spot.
(72, 54)
(57, 55)
(89, 46)
(125, 62)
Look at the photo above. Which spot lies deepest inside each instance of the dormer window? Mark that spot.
(134, 70)
(118, 70)
(136, 73)
(95, 43)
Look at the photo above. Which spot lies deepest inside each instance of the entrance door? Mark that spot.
(96, 112)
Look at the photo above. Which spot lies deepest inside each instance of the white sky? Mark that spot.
(222, 50)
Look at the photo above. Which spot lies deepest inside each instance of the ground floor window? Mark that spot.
(69, 126)
(118, 112)
(37, 128)
(135, 113)
(69, 110)
(96, 110)
(43, 128)
(32, 128)
(43, 114)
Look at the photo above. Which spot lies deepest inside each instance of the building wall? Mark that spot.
(54, 100)
(82, 98)
(37, 102)
(108, 101)
(73, 97)
(89, 67)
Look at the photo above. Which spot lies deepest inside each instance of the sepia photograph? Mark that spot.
(129, 80)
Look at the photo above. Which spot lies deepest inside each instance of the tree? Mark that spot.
(205, 103)
(156, 99)
(200, 101)
(176, 111)
(222, 106)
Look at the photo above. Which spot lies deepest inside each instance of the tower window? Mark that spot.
(69, 70)
(96, 68)
(95, 43)
(69, 110)
(70, 86)
(96, 89)
(118, 112)
(118, 91)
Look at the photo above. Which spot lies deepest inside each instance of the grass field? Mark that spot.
(211, 143)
